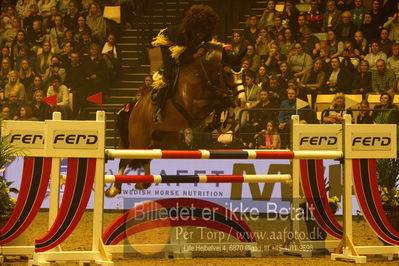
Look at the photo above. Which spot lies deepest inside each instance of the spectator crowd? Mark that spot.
(54, 47)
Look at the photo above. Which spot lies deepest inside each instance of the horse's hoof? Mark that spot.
(142, 186)
(112, 192)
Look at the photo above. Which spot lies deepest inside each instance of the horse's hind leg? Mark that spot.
(147, 171)
(117, 188)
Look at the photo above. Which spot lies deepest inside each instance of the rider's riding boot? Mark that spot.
(158, 98)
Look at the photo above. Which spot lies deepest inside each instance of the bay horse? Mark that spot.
(203, 86)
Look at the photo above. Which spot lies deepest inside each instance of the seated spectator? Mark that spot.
(263, 43)
(346, 29)
(112, 57)
(284, 117)
(369, 28)
(65, 56)
(45, 6)
(268, 138)
(302, 26)
(349, 59)
(312, 81)
(273, 60)
(375, 55)
(385, 112)
(68, 38)
(358, 13)
(393, 25)
(299, 62)
(268, 15)
(18, 43)
(62, 96)
(314, 17)
(288, 42)
(37, 85)
(5, 112)
(284, 75)
(26, 74)
(4, 70)
(362, 81)
(253, 58)
(251, 30)
(364, 116)
(146, 88)
(43, 60)
(82, 27)
(310, 43)
(85, 6)
(57, 34)
(84, 45)
(41, 110)
(71, 18)
(262, 113)
(244, 69)
(332, 16)
(251, 91)
(383, 79)
(393, 61)
(49, 22)
(8, 36)
(277, 29)
(360, 45)
(26, 113)
(334, 47)
(13, 103)
(385, 43)
(76, 82)
(337, 110)
(238, 44)
(276, 94)
(96, 23)
(63, 6)
(378, 16)
(5, 53)
(55, 68)
(95, 71)
(7, 16)
(337, 80)
(326, 59)
(36, 35)
(261, 78)
(25, 53)
(32, 15)
(290, 15)
(14, 85)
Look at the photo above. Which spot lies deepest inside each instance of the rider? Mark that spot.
(181, 44)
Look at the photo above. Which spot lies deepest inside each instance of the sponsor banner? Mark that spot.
(365, 141)
(27, 135)
(317, 137)
(264, 197)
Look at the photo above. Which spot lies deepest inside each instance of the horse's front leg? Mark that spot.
(117, 188)
(147, 171)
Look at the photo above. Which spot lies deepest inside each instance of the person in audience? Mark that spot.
(18, 43)
(82, 27)
(55, 68)
(287, 44)
(346, 29)
(23, 7)
(334, 47)
(393, 25)
(337, 110)
(378, 17)
(50, 21)
(36, 85)
(262, 112)
(385, 112)
(300, 61)
(41, 110)
(96, 23)
(312, 81)
(84, 45)
(238, 44)
(277, 30)
(5, 112)
(57, 88)
(314, 17)
(71, 18)
(393, 61)
(284, 117)
(362, 80)
(95, 70)
(349, 59)
(76, 82)
(284, 75)
(253, 58)
(268, 15)
(263, 43)
(26, 74)
(63, 6)
(8, 36)
(358, 13)
(251, 30)
(276, 94)
(13, 103)
(301, 26)
(273, 60)
(332, 16)
(33, 15)
(290, 15)
(337, 80)
(4, 70)
(146, 88)
(360, 45)
(7, 16)
(5, 53)
(383, 79)
(45, 6)
(57, 34)
(385, 43)
(375, 55)
(369, 28)
(251, 91)
(112, 57)
(261, 78)
(268, 138)
(14, 85)
(26, 113)
(43, 60)
(364, 116)
(310, 43)
(36, 35)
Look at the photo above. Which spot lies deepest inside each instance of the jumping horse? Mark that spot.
(201, 87)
